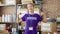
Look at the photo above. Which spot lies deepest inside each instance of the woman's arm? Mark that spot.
(19, 19)
(43, 14)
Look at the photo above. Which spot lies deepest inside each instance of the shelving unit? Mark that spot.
(13, 9)
(6, 5)
(8, 9)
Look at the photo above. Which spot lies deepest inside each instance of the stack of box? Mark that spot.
(3, 32)
(3, 29)
(58, 28)
(49, 27)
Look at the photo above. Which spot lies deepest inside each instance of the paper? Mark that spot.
(30, 28)
(46, 27)
(13, 29)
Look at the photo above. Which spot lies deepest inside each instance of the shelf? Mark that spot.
(24, 30)
(6, 5)
(58, 22)
(58, 26)
(7, 22)
(21, 4)
(25, 4)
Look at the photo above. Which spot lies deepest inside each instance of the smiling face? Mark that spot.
(30, 7)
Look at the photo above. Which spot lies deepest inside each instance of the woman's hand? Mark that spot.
(43, 14)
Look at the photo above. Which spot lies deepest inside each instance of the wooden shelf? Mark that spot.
(6, 5)
(7, 9)
(7, 22)
(25, 4)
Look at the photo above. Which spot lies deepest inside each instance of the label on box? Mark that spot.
(46, 27)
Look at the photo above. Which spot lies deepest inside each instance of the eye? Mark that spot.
(30, 6)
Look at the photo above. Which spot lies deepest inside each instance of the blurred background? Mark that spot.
(12, 10)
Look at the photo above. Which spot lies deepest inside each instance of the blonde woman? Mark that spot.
(32, 20)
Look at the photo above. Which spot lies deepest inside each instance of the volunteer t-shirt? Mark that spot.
(31, 23)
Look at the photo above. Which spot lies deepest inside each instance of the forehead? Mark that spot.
(29, 5)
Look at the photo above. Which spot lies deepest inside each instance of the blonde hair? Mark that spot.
(30, 4)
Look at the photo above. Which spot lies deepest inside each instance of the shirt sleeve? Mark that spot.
(39, 18)
(24, 18)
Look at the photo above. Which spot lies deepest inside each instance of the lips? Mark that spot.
(30, 8)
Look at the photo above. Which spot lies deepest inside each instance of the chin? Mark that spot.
(30, 10)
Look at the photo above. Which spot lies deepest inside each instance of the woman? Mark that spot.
(32, 20)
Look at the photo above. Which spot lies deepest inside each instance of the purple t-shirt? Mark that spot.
(31, 21)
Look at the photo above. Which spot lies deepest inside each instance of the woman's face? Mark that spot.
(30, 7)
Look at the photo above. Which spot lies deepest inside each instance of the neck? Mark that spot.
(31, 12)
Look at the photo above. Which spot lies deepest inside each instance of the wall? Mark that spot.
(52, 8)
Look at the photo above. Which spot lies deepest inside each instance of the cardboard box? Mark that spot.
(51, 27)
(46, 27)
(2, 26)
(54, 27)
(0, 19)
(0, 2)
(46, 32)
(26, 1)
(3, 32)
(18, 1)
(8, 10)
